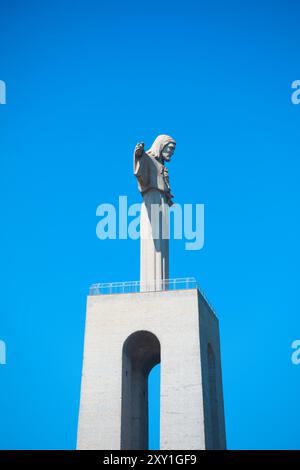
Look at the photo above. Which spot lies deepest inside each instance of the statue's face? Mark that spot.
(168, 151)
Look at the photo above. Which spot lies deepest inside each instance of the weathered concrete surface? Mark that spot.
(192, 414)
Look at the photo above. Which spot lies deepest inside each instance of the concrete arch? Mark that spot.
(140, 353)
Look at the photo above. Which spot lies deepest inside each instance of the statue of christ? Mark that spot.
(153, 183)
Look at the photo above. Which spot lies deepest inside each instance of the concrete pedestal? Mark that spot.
(125, 336)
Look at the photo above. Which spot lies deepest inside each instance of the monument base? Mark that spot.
(125, 336)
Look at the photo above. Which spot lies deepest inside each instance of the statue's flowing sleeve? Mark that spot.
(141, 170)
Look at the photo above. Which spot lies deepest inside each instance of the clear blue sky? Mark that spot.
(86, 80)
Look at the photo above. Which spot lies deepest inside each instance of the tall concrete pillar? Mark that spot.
(125, 336)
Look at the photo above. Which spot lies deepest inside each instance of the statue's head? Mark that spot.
(168, 151)
(163, 147)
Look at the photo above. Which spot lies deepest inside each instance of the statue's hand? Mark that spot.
(139, 149)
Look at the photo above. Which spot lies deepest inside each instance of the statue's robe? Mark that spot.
(154, 222)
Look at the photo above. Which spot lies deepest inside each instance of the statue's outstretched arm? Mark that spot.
(137, 156)
(140, 167)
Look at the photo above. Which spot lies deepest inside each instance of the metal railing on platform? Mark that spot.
(126, 287)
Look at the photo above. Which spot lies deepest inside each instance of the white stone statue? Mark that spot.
(153, 183)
